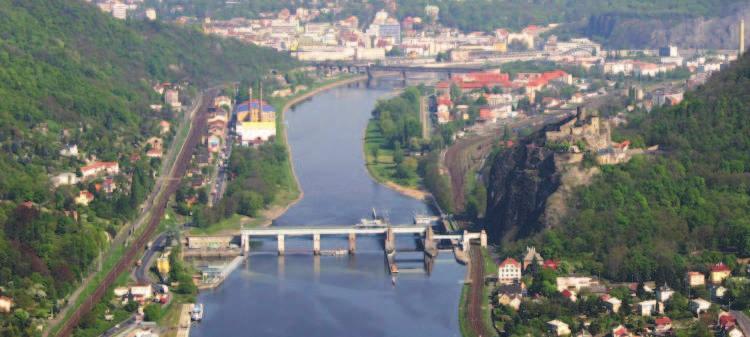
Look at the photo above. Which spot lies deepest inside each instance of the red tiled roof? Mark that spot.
(720, 267)
(663, 321)
(510, 261)
(550, 264)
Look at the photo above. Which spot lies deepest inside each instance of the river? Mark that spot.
(303, 295)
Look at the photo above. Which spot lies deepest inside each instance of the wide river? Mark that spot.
(303, 295)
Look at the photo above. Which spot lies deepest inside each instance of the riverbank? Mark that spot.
(293, 193)
(381, 167)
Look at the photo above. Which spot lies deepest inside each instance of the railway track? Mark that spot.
(157, 206)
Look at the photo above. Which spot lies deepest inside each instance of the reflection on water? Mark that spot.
(301, 294)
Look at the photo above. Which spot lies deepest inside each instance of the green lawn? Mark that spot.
(383, 169)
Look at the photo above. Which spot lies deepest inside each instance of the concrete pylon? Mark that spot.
(316, 244)
(352, 243)
(281, 245)
(483, 239)
(390, 240)
(245, 244)
(430, 247)
(466, 243)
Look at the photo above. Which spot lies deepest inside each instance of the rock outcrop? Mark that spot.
(529, 184)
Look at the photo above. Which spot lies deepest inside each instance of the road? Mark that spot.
(141, 272)
(742, 320)
(153, 210)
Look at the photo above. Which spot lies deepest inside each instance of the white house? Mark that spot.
(699, 305)
(558, 328)
(509, 271)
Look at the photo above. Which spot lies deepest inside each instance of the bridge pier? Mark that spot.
(430, 247)
(483, 239)
(316, 244)
(352, 243)
(245, 244)
(390, 241)
(280, 242)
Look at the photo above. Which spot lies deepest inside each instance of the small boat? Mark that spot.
(197, 313)
(421, 219)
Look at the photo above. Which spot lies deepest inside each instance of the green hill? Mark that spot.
(71, 74)
(656, 217)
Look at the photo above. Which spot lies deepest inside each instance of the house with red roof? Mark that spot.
(550, 264)
(621, 331)
(719, 272)
(509, 271)
(476, 81)
(93, 169)
(662, 326)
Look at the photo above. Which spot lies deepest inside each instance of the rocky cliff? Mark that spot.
(521, 180)
(631, 31)
(530, 184)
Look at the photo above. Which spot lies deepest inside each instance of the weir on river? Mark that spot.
(350, 295)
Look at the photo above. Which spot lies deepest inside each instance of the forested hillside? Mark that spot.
(657, 216)
(70, 74)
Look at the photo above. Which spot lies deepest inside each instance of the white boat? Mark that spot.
(197, 313)
(375, 221)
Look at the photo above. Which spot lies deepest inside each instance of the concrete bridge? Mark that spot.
(371, 69)
(426, 234)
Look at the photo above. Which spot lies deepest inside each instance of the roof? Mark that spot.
(720, 267)
(98, 165)
(509, 261)
(663, 321)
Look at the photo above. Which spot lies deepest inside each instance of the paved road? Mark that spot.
(141, 272)
(742, 320)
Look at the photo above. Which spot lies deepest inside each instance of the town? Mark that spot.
(186, 193)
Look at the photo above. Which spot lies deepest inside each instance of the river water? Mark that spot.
(303, 295)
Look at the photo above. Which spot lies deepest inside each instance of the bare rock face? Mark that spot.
(630, 31)
(520, 182)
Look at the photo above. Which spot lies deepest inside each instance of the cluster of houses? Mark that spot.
(511, 291)
(502, 102)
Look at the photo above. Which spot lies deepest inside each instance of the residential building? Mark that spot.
(696, 279)
(558, 328)
(96, 168)
(172, 98)
(699, 305)
(575, 283)
(662, 326)
(612, 303)
(513, 301)
(509, 271)
(648, 308)
(65, 178)
(664, 293)
(6, 304)
(621, 331)
(84, 198)
(120, 11)
(70, 150)
(719, 272)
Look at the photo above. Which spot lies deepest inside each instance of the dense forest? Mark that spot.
(70, 74)
(684, 208)
(475, 15)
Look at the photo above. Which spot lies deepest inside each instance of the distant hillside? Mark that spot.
(655, 217)
(71, 74)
